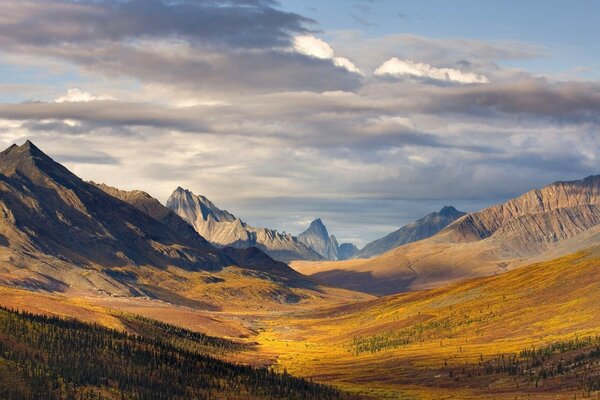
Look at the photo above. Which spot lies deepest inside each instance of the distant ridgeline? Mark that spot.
(51, 358)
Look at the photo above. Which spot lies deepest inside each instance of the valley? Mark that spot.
(466, 306)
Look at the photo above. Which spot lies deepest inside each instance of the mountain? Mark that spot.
(318, 239)
(550, 221)
(417, 230)
(347, 251)
(59, 233)
(222, 228)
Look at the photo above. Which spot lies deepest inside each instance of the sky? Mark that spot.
(366, 113)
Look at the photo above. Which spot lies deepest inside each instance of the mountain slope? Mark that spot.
(59, 233)
(529, 333)
(109, 364)
(317, 238)
(417, 230)
(491, 241)
(222, 228)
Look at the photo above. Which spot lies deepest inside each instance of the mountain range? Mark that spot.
(222, 228)
(547, 222)
(59, 233)
(123, 260)
(317, 238)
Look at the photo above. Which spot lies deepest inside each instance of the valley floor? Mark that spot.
(528, 334)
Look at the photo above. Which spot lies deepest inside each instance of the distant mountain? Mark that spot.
(347, 251)
(548, 222)
(60, 233)
(417, 230)
(222, 228)
(318, 239)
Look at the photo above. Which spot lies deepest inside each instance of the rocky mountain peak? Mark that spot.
(222, 228)
(318, 239)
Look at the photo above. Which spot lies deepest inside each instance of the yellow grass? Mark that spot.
(317, 338)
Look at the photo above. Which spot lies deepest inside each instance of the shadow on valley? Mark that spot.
(363, 281)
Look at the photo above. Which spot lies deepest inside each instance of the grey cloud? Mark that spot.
(214, 46)
(241, 23)
(573, 101)
(93, 157)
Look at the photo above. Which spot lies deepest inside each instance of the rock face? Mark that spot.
(317, 238)
(221, 228)
(417, 230)
(529, 224)
(57, 231)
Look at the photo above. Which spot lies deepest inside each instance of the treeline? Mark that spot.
(52, 358)
(568, 364)
(180, 337)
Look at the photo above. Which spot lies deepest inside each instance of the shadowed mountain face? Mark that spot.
(547, 222)
(222, 228)
(417, 230)
(58, 231)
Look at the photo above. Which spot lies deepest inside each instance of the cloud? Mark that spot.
(75, 95)
(214, 46)
(398, 68)
(314, 47)
(237, 23)
(241, 101)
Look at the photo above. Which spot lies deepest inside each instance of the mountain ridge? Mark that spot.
(417, 230)
(59, 233)
(222, 228)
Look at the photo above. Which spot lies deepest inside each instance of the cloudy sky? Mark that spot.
(365, 113)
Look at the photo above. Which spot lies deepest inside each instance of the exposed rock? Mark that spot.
(222, 228)
(541, 224)
(318, 239)
(347, 251)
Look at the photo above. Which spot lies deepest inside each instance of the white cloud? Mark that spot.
(397, 68)
(314, 47)
(347, 64)
(75, 95)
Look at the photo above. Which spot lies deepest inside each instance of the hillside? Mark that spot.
(222, 228)
(52, 358)
(534, 226)
(531, 333)
(420, 229)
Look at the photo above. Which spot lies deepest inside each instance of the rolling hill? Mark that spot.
(531, 333)
(534, 226)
